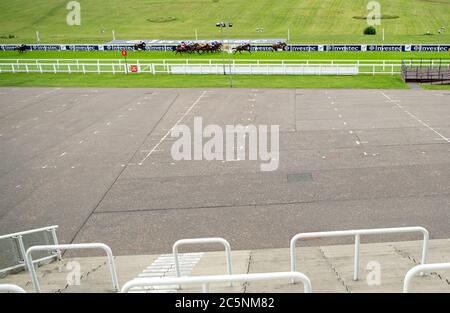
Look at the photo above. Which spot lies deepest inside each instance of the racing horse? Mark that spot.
(279, 45)
(244, 47)
(140, 46)
(22, 48)
(189, 48)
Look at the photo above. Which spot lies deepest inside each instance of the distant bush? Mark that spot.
(164, 19)
(370, 30)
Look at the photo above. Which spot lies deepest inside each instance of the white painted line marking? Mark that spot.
(63, 154)
(47, 92)
(176, 124)
(416, 118)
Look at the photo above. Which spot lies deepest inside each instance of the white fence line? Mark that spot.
(11, 288)
(198, 241)
(205, 281)
(20, 242)
(160, 68)
(107, 249)
(434, 62)
(211, 66)
(357, 234)
(421, 269)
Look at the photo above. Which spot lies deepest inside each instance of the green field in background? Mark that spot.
(310, 21)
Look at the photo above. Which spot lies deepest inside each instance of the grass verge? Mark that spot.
(191, 81)
(435, 87)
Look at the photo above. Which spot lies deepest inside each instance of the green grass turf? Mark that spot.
(309, 20)
(188, 81)
(435, 87)
(255, 55)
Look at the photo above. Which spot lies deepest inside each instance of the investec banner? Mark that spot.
(256, 47)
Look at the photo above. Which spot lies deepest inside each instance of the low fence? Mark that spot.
(210, 66)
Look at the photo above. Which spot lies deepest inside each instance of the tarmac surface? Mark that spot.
(97, 163)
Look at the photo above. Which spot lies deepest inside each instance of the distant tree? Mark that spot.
(370, 30)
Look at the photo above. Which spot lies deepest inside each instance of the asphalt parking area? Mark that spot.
(97, 162)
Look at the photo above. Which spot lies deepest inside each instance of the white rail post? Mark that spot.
(107, 249)
(205, 288)
(222, 241)
(55, 242)
(356, 265)
(11, 288)
(357, 234)
(84, 69)
(422, 268)
(26, 68)
(22, 250)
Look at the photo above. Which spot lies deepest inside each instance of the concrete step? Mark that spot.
(330, 269)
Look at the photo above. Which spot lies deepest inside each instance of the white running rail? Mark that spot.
(18, 237)
(422, 269)
(5, 288)
(205, 281)
(358, 234)
(102, 246)
(198, 241)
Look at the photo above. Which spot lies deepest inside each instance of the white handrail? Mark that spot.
(357, 234)
(19, 237)
(206, 280)
(198, 241)
(421, 269)
(11, 288)
(27, 232)
(78, 246)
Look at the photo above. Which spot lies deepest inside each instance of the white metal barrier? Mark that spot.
(107, 249)
(422, 269)
(11, 288)
(358, 234)
(20, 242)
(198, 241)
(205, 281)
(211, 66)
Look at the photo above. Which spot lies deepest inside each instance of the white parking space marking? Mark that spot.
(415, 117)
(176, 124)
(47, 92)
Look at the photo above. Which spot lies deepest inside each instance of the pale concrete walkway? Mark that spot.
(330, 269)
